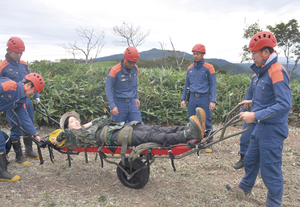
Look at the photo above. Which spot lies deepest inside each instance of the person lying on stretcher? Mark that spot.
(104, 131)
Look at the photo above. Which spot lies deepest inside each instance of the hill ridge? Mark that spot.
(155, 54)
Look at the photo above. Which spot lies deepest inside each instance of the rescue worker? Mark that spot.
(245, 137)
(105, 131)
(271, 103)
(202, 83)
(13, 97)
(15, 69)
(122, 88)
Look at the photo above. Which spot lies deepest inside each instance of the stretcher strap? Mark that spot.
(148, 159)
(172, 159)
(124, 136)
(69, 157)
(102, 155)
(51, 153)
(103, 135)
(102, 132)
(142, 147)
(85, 152)
(165, 140)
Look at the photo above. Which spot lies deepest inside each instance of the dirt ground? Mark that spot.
(198, 181)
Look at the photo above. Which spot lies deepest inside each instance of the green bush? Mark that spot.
(81, 88)
(70, 86)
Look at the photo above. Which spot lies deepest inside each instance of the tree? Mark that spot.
(288, 39)
(91, 40)
(175, 55)
(68, 47)
(249, 32)
(131, 36)
(162, 46)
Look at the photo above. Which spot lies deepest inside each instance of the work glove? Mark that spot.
(37, 101)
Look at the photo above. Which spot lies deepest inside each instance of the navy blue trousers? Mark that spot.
(265, 153)
(128, 111)
(245, 139)
(15, 132)
(202, 101)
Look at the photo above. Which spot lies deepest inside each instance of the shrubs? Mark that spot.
(70, 86)
(81, 88)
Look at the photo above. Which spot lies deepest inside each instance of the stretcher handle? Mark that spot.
(231, 112)
(232, 121)
(228, 123)
(38, 143)
(47, 113)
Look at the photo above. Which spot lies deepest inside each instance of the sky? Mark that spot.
(44, 25)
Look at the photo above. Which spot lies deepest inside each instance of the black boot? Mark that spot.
(28, 149)
(19, 155)
(4, 175)
(238, 190)
(239, 164)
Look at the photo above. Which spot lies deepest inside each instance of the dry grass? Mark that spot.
(198, 181)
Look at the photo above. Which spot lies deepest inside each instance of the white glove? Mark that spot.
(37, 101)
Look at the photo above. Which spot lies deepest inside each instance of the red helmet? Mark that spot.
(16, 44)
(37, 81)
(261, 40)
(131, 54)
(199, 48)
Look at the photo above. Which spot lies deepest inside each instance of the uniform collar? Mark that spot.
(198, 64)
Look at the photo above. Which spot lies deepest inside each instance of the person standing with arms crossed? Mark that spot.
(270, 106)
(202, 83)
(121, 88)
(16, 69)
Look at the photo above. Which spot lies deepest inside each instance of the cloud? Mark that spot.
(43, 25)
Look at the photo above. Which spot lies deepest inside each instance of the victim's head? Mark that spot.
(72, 123)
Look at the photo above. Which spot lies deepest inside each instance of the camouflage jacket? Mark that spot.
(87, 136)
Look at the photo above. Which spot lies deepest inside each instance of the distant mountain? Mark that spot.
(282, 61)
(155, 54)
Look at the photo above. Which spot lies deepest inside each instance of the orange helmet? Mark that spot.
(131, 54)
(199, 48)
(37, 81)
(261, 40)
(16, 44)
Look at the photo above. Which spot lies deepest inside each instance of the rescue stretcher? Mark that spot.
(134, 168)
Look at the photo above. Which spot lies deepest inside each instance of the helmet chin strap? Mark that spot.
(261, 55)
(125, 62)
(30, 89)
(9, 51)
(202, 55)
(265, 58)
